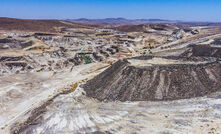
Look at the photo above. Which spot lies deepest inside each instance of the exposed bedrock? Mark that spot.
(156, 78)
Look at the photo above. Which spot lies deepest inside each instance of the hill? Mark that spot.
(10, 24)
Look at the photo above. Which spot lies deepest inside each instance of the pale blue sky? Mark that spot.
(187, 10)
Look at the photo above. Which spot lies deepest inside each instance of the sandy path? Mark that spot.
(19, 93)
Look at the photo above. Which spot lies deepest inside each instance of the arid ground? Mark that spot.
(69, 76)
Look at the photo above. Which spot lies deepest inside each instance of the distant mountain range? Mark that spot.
(119, 21)
(123, 21)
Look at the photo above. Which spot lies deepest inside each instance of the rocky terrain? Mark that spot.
(193, 73)
(62, 77)
(148, 78)
(22, 52)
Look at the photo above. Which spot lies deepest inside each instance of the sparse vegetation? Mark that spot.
(86, 59)
(74, 86)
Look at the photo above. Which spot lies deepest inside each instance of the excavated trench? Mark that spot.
(156, 78)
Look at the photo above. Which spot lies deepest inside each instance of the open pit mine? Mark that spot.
(65, 77)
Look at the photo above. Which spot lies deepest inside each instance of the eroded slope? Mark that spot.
(178, 78)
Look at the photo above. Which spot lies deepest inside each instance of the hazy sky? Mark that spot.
(188, 10)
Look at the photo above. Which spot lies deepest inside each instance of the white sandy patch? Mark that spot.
(151, 62)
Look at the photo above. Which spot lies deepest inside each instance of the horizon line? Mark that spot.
(157, 19)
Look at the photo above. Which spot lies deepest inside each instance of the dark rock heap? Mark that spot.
(192, 77)
(203, 50)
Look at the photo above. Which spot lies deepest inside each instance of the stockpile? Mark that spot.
(185, 78)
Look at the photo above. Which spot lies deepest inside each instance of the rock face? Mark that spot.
(142, 79)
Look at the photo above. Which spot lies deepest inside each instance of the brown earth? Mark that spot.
(11, 24)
